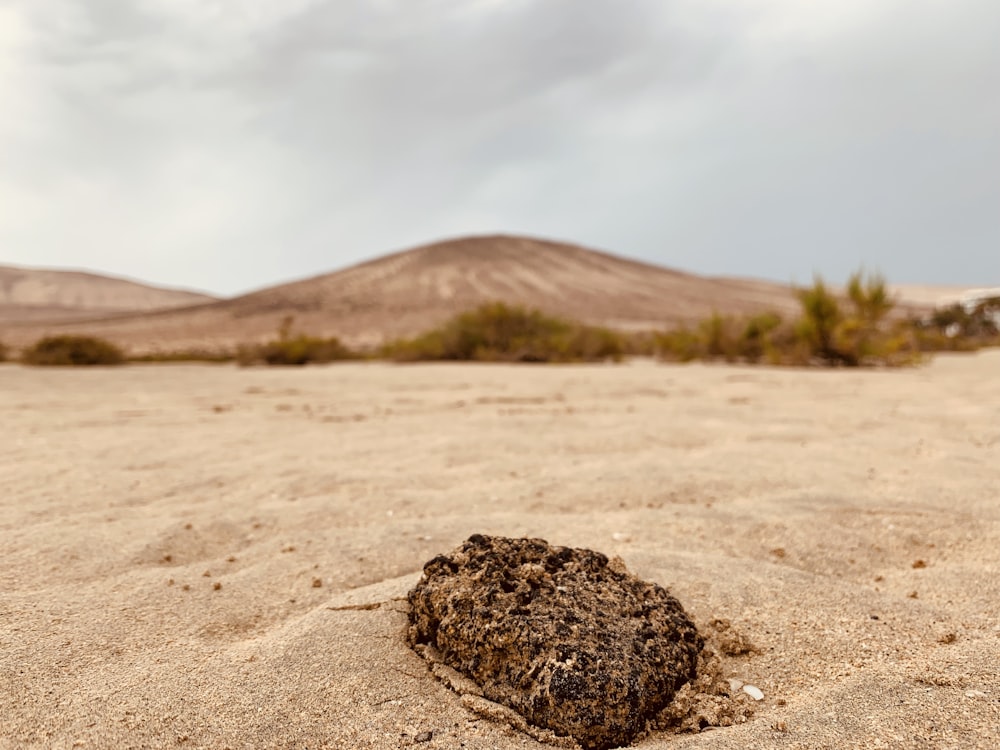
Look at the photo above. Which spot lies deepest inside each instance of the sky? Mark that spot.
(227, 145)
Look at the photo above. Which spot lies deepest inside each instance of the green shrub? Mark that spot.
(820, 317)
(972, 326)
(73, 350)
(858, 336)
(853, 331)
(757, 340)
(497, 332)
(729, 338)
(679, 345)
(719, 336)
(293, 350)
(639, 343)
(298, 350)
(185, 355)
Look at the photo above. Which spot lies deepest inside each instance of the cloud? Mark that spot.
(231, 144)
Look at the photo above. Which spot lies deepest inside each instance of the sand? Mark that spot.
(206, 556)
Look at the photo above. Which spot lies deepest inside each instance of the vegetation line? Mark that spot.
(856, 330)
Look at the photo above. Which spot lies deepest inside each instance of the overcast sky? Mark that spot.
(231, 144)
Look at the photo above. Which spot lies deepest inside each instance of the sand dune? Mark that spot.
(408, 292)
(186, 547)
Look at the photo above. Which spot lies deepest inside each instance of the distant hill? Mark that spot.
(30, 294)
(407, 292)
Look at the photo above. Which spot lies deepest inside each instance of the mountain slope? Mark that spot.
(47, 294)
(407, 292)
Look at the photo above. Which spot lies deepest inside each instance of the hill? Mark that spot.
(409, 291)
(30, 294)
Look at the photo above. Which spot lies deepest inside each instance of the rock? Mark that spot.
(570, 641)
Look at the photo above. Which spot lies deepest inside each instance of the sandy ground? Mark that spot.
(185, 547)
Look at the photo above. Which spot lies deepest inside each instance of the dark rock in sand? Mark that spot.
(571, 641)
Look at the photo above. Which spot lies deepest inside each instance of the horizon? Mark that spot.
(197, 289)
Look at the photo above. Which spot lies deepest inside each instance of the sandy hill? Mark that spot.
(407, 292)
(29, 294)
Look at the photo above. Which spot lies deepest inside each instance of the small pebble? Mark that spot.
(424, 737)
(734, 685)
(975, 694)
(754, 692)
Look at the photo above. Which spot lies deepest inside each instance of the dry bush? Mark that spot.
(71, 351)
(185, 355)
(821, 315)
(497, 332)
(861, 335)
(829, 331)
(298, 350)
(760, 338)
(960, 327)
(679, 344)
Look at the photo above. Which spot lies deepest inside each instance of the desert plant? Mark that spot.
(680, 344)
(185, 355)
(975, 321)
(72, 350)
(298, 350)
(825, 333)
(500, 332)
(719, 337)
(756, 340)
(820, 317)
(870, 296)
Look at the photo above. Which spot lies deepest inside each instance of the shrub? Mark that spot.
(719, 337)
(298, 350)
(497, 332)
(728, 338)
(679, 345)
(854, 331)
(858, 336)
(757, 340)
(73, 350)
(185, 355)
(870, 297)
(293, 350)
(979, 322)
(820, 317)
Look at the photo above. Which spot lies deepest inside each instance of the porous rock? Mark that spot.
(570, 641)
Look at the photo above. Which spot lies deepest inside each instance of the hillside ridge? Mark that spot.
(408, 291)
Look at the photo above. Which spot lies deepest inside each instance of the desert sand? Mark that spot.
(206, 556)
